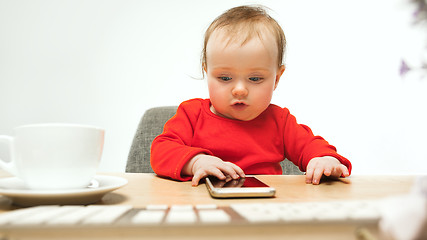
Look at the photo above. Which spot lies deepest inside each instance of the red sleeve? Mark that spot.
(301, 145)
(172, 149)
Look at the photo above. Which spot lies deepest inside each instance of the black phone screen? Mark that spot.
(247, 182)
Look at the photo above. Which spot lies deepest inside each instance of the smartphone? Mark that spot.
(250, 186)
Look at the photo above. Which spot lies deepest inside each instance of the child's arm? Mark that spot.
(172, 149)
(312, 154)
(328, 166)
(202, 165)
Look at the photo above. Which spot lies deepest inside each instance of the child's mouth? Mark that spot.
(239, 106)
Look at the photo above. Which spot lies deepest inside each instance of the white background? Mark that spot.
(104, 62)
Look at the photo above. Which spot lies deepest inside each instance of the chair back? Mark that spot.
(150, 126)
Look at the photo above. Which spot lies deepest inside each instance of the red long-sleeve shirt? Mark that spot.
(257, 146)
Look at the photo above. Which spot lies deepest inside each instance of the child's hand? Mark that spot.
(328, 166)
(204, 165)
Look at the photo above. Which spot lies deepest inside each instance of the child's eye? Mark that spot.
(225, 78)
(255, 79)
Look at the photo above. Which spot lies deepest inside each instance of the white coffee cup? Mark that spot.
(54, 155)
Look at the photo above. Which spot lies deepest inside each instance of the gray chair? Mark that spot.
(150, 126)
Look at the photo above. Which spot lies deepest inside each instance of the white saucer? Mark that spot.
(15, 189)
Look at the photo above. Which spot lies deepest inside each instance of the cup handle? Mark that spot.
(8, 166)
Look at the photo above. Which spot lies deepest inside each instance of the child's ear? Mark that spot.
(279, 75)
(204, 67)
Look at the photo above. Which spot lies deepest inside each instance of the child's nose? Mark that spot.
(239, 90)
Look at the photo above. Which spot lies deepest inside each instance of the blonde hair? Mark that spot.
(243, 23)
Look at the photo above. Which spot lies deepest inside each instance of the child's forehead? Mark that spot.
(226, 36)
(227, 45)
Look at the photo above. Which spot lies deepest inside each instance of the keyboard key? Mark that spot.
(337, 215)
(181, 207)
(44, 214)
(300, 212)
(148, 217)
(157, 207)
(255, 212)
(16, 215)
(206, 206)
(181, 216)
(107, 215)
(214, 216)
(365, 215)
(76, 216)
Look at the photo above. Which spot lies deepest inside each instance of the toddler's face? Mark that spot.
(241, 79)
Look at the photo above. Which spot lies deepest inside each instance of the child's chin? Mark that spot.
(244, 118)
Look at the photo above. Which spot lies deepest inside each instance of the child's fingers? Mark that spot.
(196, 178)
(201, 174)
(317, 175)
(339, 171)
(237, 169)
(229, 169)
(344, 171)
(309, 175)
(328, 171)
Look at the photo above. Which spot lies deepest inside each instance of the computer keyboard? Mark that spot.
(161, 215)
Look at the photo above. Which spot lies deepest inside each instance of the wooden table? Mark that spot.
(144, 189)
